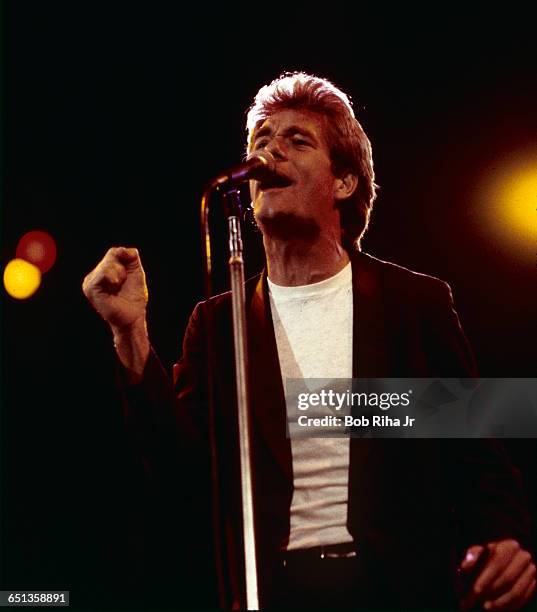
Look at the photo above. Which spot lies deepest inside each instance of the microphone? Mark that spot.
(257, 165)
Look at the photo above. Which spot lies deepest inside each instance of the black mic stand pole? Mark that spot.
(238, 301)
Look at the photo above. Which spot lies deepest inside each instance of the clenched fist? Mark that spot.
(117, 290)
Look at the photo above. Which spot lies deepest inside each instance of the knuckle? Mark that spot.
(526, 556)
(116, 267)
(88, 283)
(113, 253)
(110, 275)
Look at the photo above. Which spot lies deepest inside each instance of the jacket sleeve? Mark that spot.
(489, 495)
(167, 421)
(167, 426)
(448, 348)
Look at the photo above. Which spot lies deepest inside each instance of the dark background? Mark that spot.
(115, 115)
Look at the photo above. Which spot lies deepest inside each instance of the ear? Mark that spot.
(345, 186)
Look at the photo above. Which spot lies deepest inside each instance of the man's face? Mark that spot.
(305, 187)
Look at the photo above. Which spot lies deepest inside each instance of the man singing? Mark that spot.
(371, 523)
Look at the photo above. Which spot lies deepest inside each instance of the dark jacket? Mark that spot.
(414, 505)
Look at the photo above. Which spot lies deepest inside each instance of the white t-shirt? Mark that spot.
(313, 328)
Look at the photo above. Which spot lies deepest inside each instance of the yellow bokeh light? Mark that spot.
(21, 279)
(506, 203)
(519, 197)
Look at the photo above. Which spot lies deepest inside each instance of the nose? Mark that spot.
(276, 146)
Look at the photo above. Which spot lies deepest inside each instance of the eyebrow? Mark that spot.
(289, 131)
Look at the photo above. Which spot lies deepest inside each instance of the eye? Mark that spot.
(299, 141)
(259, 144)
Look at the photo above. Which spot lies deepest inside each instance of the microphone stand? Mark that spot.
(238, 302)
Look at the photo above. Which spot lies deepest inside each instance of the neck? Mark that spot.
(292, 264)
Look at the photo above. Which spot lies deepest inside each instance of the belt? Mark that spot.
(329, 551)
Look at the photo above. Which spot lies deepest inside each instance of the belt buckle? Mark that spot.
(347, 555)
(336, 555)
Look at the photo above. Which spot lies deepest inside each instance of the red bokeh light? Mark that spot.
(38, 248)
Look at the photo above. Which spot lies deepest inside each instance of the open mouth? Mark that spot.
(274, 181)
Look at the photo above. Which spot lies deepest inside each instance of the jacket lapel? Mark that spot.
(370, 348)
(266, 387)
(370, 360)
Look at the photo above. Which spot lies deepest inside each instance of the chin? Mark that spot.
(286, 225)
(269, 205)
